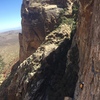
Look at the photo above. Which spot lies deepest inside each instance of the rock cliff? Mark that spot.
(38, 19)
(59, 62)
(88, 40)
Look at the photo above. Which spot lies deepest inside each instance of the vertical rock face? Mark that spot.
(38, 19)
(88, 40)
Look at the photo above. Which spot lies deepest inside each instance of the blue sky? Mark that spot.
(10, 14)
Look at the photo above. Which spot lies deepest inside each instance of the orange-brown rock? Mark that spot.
(88, 40)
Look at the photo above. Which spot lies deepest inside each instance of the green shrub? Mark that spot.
(75, 11)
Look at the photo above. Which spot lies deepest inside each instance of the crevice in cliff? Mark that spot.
(72, 69)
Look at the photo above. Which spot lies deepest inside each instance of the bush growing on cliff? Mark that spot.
(75, 11)
(69, 19)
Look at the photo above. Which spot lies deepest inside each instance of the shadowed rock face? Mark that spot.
(38, 77)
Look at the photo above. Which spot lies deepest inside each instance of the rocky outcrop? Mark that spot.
(37, 75)
(43, 66)
(88, 45)
(63, 66)
(38, 19)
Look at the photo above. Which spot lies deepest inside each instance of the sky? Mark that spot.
(10, 17)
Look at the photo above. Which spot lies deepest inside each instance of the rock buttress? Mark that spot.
(38, 19)
(38, 76)
(44, 75)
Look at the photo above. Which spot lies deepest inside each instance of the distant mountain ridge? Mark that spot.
(10, 31)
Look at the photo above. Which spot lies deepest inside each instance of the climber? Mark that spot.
(81, 85)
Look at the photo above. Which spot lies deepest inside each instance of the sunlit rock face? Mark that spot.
(38, 19)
